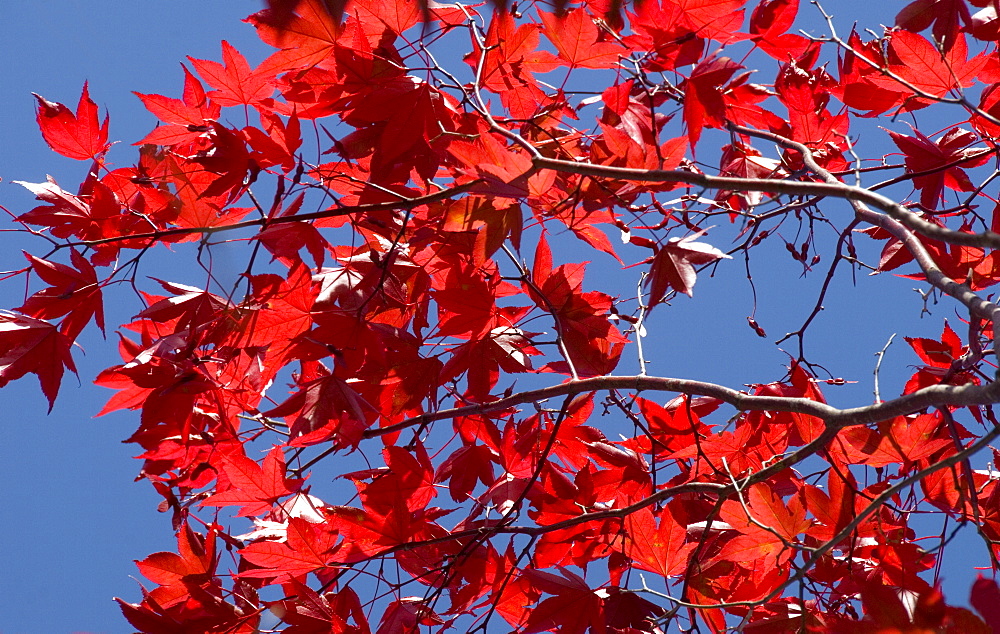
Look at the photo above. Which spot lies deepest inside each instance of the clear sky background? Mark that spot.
(73, 519)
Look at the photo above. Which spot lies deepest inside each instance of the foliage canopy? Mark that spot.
(410, 186)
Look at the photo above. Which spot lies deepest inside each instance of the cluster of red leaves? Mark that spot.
(428, 304)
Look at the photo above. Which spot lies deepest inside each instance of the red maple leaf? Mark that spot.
(309, 612)
(187, 117)
(806, 94)
(769, 24)
(235, 83)
(307, 548)
(920, 63)
(325, 408)
(277, 143)
(406, 483)
(33, 345)
(464, 467)
(947, 16)
(594, 345)
(406, 616)
(925, 155)
(74, 292)
(578, 41)
(833, 507)
(397, 17)
(674, 266)
(504, 169)
(305, 38)
(573, 609)
(659, 548)
(510, 58)
(985, 597)
(896, 441)
(253, 487)
(175, 573)
(80, 136)
(704, 95)
(716, 19)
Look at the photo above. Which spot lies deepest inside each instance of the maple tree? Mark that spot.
(415, 321)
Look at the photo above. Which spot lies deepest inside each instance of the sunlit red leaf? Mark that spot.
(73, 292)
(79, 136)
(657, 547)
(308, 547)
(254, 488)
(578, 41)
(235, 83)
(36, 346)
(674, 266)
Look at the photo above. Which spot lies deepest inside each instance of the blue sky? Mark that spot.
(73, 518)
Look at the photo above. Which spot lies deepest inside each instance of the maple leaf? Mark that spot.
(510, 58)
(326, 408)
(786, 519)
(304, 39)
(407, 482)
(503, 347)
(33, 345)
(278, 146)
(277, 311)
(594, 344)
(673, 266)
(897, 441)
(704, 95)
(287, 239)
(307, 548)
(308, 611)
(80, 136)
(407, 615)
(924, 155)
(659, 27)
(985, 597)
(857, 87)
(941, 357)
(669, 429)
(917, 61)
(769, 24)
(396, 17)
(74, 292)
(175, 573)
(947, 16)
(625, 609)
(504, 170)
(806, 94)
(86, 217)
(464, 467)
(578, 41)
(657, 547)
(833, 507)
(234, 82)
(573, 609)
(187, 118)
(281, 12)
(253, 487)
(715, 19)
